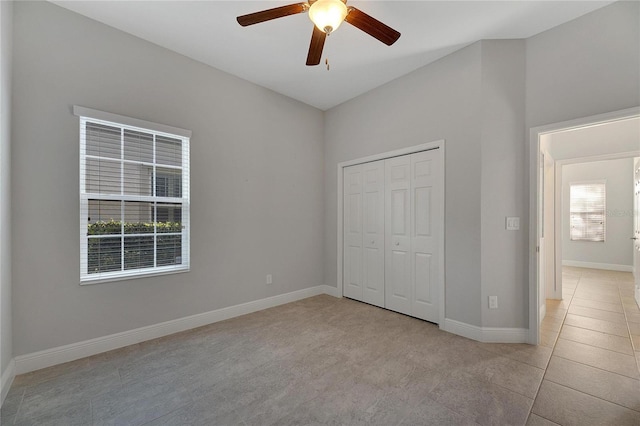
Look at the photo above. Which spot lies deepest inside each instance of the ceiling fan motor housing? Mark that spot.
(313, 1)
(327, 15)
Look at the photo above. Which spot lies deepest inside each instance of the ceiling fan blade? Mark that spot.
(316, 46)
(372, 26)
(269, 14)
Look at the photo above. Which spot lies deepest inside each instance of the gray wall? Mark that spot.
(439, 101)
(617, 249)
(259, 201)
(503, 253)
(585, 67)
(474, 99)
(256, 180)
(6, 18)
(588, 66)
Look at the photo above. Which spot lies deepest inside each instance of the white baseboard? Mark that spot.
(486, 334)
(331, 291)
(462, 329)
(595, 265)
(49, 357)
(6, 380)
(504, 335)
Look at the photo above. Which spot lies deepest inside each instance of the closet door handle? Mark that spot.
(397, 243)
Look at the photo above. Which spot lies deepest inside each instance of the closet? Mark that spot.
(392, 224)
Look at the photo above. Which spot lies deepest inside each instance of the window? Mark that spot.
(167, 185)
(134, 197)
(587, 211)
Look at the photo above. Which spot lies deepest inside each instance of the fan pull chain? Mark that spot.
(326, 61)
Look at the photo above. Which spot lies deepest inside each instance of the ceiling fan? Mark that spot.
(327, 15)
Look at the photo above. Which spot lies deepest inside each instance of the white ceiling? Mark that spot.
(273, 54)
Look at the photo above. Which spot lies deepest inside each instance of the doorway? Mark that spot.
(545, 274)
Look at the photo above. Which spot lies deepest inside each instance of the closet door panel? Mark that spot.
(373, 233)
(392, 228)
(425, 187)
(400, 279)
(352, 221)
(397, 234)
(422, 273)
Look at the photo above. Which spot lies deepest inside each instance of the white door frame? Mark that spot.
(636, 230)
(440, 145)
(534, 158)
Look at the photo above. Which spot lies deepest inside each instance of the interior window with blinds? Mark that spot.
(134, 201)
(587, 211)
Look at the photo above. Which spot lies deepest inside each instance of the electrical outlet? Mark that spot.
(269, 279)
(493, 302)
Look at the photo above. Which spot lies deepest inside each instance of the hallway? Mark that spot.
(593, 375)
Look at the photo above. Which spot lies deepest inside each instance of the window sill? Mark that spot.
(130, 275)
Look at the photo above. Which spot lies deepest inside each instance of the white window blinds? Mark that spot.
(587, 211)
(134, 200)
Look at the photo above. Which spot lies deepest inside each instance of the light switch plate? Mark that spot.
(513, 223)
(493, 302)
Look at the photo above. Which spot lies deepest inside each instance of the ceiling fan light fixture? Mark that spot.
(327, 15)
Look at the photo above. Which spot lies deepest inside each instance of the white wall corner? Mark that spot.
(6, 380)
(54, 356)
(543, 311)
(331, 291)
(486, 334)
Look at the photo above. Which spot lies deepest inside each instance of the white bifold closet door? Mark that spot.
(364, 232)
(373, 233)
(392, 225)
(412, 227)
(352, 222)
(398, 233)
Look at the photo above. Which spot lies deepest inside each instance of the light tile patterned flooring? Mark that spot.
(335, 361)
(593, 375)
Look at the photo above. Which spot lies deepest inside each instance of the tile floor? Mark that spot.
(593, 375)
(335, 361)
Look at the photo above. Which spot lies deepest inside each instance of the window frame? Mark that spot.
(87, 115)
(603, 183)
